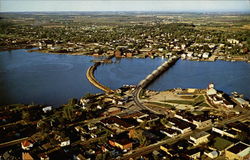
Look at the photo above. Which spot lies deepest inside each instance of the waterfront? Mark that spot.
(53, 79)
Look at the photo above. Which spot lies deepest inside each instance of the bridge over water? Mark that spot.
(90, 76)
(149, 79)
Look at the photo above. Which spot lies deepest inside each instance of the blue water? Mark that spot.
(53, 79)
(42, 78)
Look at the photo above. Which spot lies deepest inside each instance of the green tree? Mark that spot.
(68, 113)
(26, 115)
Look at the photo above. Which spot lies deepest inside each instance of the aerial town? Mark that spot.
(131, 122)
(203, 37)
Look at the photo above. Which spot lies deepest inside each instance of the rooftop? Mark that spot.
(239, 147)
(200, 134)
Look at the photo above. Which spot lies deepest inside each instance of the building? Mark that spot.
(65, 142)
(193, 153)
(219, 98)
(240, 151)
(233, 41)
(26, 145)
(243, 103)
(44, 156)
(118, 53)
(199, 138)
(121, 141)
(47, 109)
(26, 156)
(206, 55)
(166, 149)
(180, 125)
(211, 154)
(226, 132)
(169, 132)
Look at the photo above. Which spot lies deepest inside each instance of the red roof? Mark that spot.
(26, 143)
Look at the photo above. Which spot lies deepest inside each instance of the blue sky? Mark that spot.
(125, 5)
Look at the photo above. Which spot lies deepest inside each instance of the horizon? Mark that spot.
(195, 6)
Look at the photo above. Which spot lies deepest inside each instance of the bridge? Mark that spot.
(149, 79)
(90, 76)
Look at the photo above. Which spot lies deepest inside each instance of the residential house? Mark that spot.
(26, 156)
(26, 145)
(240, 151)
(243, 103)
(211, 154)
(65, 142)
(47, 109)
(226, 132)
(193, 153)
(201, 121)
(233, 41)
(44, 156)
(206, 55)
(121, 141)
(169, 132)
(180, 125)
(199, 138)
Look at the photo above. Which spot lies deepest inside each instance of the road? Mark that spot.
(92, 80)
(136, 96)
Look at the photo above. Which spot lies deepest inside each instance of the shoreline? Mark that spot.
(233, 59)
(29, 49)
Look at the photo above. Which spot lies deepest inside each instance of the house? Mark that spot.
(189, 54)
(129, 54)
(47, 109)
(112, 110)
(183, 56)
(225, 131)
(193, 153)
(199, 138)
(206, 55)
(8, 155)
(118, 53)
(243, 103)
(201, 121)
(211, 154)
(239, 151)
(26, 145)
(80, 157)
(92, 126)
(118, 122)
(180, 125)
(169, 132)
(44, 156)
(219, 98)
(65, 142)
(121, 141)
(211, 92)
(166, 149)
(26, 156)
(147, 118)
(233, 41)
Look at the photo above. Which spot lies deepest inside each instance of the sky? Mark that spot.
(126, 5)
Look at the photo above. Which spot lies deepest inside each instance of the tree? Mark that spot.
(68, 113)
(26, 115)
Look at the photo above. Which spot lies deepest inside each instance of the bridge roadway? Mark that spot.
(90, 76)
(149, 79)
